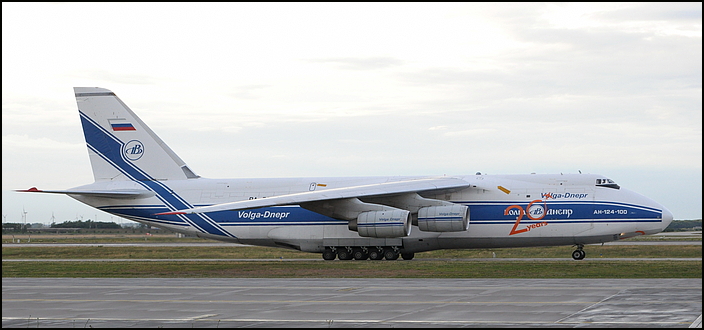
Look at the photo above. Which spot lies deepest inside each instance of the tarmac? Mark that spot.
(347, 303)
(343, 303)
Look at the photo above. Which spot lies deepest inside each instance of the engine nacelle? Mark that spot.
(390, 223)
(443, 218)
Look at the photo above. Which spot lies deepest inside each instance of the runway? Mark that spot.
(341, 303)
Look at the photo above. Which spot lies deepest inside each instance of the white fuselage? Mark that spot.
(504, 211)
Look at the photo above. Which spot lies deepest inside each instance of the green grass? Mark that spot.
(435, 264)
(360, 269)
(238, 252)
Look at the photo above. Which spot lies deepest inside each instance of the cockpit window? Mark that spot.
(608, 183)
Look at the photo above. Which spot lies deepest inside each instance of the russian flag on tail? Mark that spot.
(123, 127)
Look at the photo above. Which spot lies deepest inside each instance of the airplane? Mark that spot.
(138, 177)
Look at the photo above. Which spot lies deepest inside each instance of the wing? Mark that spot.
(371, 191)
(97, 193)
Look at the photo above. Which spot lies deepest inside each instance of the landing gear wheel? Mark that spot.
(375, 254)
(578, 254)
(328, 254)
(390, 254)
(343, 254)
(359, 254)
(407, 256)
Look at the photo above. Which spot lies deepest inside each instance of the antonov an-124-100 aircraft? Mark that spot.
(138, 177)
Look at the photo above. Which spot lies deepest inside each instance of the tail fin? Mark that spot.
(120, 145)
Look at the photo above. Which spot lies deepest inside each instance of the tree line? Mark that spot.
(88, 224)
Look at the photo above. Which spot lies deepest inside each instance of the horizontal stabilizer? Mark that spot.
(97, 193)
(372, 190)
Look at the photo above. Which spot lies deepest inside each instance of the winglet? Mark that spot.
(33, 189)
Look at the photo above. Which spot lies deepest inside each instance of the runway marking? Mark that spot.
(590, 306)
(348, 289)
(697, 323)
(199, 317)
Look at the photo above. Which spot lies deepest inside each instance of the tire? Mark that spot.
(578, 254)
(359, 254)
(329, 255)
(390, 254)
(408, 256)
(375, 254)
(343, 254)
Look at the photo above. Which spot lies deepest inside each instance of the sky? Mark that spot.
(250, 90)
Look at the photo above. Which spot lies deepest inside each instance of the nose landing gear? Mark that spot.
(579, 254)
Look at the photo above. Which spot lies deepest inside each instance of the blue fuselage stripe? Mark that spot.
(479, 215)
(110, 148)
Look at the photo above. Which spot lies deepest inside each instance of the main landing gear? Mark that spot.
(365, 252)
(579, 254)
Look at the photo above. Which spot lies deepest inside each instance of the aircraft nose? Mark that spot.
(666, 218)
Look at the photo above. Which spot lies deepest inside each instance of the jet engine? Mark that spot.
(388, 223)
(443, 218)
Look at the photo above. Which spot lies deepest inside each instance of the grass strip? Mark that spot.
(359, 269)
(236, 252)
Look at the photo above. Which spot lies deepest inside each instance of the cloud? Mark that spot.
(23, 142)
(671, 12)
(246, 92)
(111, 77)
(361, 89)
(370, 63)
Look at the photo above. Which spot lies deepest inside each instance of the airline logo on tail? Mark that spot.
(133, 150)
